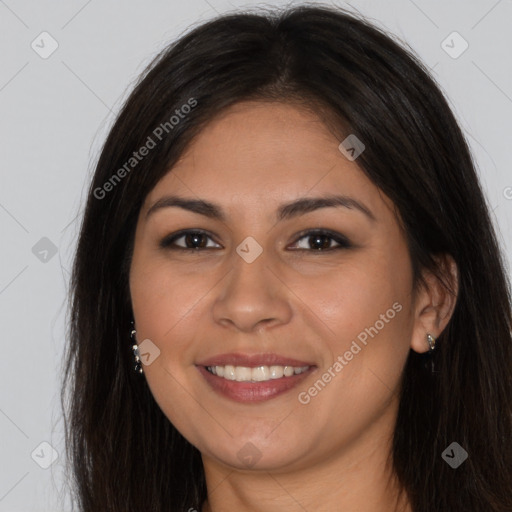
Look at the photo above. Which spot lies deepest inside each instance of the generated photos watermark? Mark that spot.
(304, 397)
(152, 141)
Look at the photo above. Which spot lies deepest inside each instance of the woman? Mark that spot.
(286, 239)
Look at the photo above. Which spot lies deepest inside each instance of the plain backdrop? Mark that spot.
(55, 111)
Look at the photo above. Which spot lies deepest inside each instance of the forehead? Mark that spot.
(259, 153)
(262, 136)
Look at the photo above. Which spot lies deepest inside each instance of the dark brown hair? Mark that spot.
(124, 454)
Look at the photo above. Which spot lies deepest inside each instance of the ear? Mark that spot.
(434, 303)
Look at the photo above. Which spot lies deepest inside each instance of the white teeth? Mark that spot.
(229, 372)
(257, 374)
(276, 372)
(260, 373)
(242, 373)
(288, 371)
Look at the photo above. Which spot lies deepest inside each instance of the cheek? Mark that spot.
(169, 308)
(368, 347)
(355, 296)
(163, 305)
(363, 315)
(161, 296)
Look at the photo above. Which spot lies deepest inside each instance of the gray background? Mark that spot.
(55, 113)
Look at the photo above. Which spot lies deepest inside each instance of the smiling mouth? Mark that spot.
(256, 374)
(249, 390)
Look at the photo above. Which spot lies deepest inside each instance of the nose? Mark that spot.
(252, 296)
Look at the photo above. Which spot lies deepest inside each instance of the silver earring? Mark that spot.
(431, 342)
(431, 346)
(135, 348)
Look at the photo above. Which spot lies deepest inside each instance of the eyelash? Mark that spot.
(168, 242)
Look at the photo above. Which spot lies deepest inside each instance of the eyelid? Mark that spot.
(342, 241)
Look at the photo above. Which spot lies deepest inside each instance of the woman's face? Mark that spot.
(255, 283)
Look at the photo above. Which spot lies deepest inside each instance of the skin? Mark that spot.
(329, 454)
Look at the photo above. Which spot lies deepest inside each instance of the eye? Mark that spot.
(195, 240)
(320, 240)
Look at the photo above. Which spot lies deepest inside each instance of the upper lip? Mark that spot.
(252, 360)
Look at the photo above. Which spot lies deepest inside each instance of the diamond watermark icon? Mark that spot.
(44, 455)
(351, 147)
(249, 249)
(44, 45)
(44, 250)
(249, 455)
(148, 352)
(454, 455)
(454, 45)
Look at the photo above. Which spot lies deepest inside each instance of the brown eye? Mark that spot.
(192, 240)
(320, 240)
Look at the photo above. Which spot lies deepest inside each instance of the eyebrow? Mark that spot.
(284, 212)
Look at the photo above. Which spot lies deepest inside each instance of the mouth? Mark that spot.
(256, 374)
(247, 379)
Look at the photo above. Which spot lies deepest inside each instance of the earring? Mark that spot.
(135, 349)
(431, 342)
(431, 346)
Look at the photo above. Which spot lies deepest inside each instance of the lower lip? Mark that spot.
(252, 391)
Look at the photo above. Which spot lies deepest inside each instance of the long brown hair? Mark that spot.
(123, 453)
